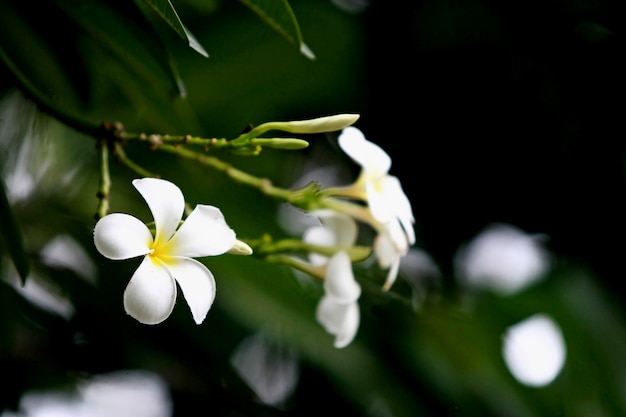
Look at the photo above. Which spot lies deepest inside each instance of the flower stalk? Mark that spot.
(252, 146)
(264, 185)
(104, 186)
(265, 247)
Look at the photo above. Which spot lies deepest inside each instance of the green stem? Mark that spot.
(121, 155)
(265, 247)
(250, 146)
(156, 140)
(264, 185)
(315, 271)
(105, 180)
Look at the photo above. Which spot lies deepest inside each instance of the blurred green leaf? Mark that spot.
(279, 15)
(34, 55)
(167, 12)
(124, 30)
(11, 235)
(63, 65)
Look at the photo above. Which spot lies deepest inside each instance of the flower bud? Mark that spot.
(240, 248)
(320, 124)
(281, 143)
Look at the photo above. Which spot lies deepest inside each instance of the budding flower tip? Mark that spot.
(240, 248)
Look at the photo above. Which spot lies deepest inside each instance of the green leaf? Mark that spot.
(124, 30)
(279, 15)
(165, 9)
(11, 235)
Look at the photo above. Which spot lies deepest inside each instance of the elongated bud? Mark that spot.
(240, 248)
(281, 143)
(317, 125)
(320, 124)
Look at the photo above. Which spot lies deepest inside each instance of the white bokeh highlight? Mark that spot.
(126, 393)
(63, 251)
(503, 259)
(271, 370)
(534, 350)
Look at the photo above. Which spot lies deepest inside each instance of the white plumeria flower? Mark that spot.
(389, 207)
(338, 310)
(151, 292)
(383, 192)
(336, 229)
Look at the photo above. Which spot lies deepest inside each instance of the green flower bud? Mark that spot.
(281, 143)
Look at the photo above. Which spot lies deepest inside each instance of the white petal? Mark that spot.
(385, 250)
(372, 158)
(166, 202)
(381, 207)
(393, 192)
(387, 200)
(395, 234)
(151, 292)
(343, 226)
(204, 233)
(340, 283)
(330, 314)
(319, 236)
(121, 236)
(392, 274)
(196, 282)
(393, 189)
(340, 320)
(388, 256)
(350, 326)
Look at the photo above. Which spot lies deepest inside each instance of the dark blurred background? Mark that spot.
(504, 111)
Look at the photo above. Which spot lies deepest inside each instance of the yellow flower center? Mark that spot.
(157, 251)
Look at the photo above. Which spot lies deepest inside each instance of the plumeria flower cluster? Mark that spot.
(387, 208)
(168, 254)
(375, 198)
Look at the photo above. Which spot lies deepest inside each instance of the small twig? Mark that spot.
(123, 158)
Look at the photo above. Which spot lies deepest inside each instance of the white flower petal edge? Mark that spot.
(343, 226)
(121, 236)
(390, 245)
(320, 236)
(340, 283)
(197, 285)
(336, 229)
(340, 320)
(372, 158)
(166, 203)
(204, 233)
(338, 310)
(387, 201)
(151, 292)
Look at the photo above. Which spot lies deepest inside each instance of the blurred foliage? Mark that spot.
(491, 112)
